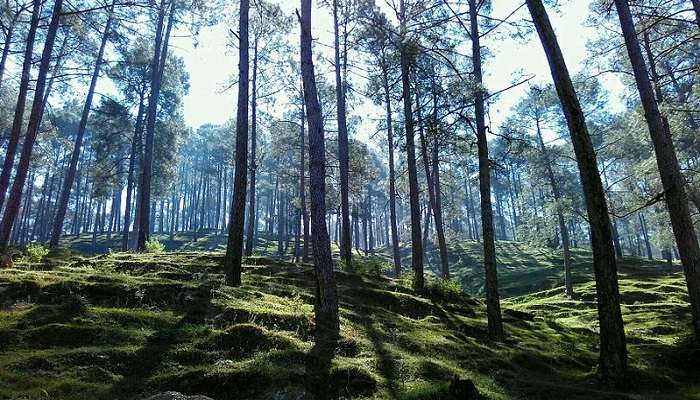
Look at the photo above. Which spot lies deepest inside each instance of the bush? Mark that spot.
(35, 253)
(154, 246)
(371, 265)
(444, 289)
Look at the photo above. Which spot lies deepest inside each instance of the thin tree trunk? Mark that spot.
(75, 156)
(343, 151)
(493, 305)
(302, 182)
(613, 350)
(8, 44)
(17, 121)
(392, 174)
(32, 130)
(130, 175)
(160, 56)
(250, 235)
(569, 289)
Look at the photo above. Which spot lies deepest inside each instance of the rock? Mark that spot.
(463, 389)
(177, 396)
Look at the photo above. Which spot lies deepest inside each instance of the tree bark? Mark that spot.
(493, 305)
(326, 304)
(302, 181)
(613, 350)
(252, 216)
(234, 246)
(21, 101)
(669, 169)
(416, 240)
(392, 173)
(343, 151)
(32, 129)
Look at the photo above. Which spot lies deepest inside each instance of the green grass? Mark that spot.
(123, 326)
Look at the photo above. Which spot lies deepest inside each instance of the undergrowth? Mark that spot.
(124, 326)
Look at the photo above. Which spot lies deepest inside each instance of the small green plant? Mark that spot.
(371, 265)
(406, 279)
(444, 289)
(154, 246)
(74, 303)
(35, 253)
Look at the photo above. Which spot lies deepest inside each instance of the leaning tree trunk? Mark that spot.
(493, 305)
(563, 229)
(613, 349)
(32, 130)
(234, 245)
(73, 165)
(252, 216)
(326, 305)
(18, 119)
(343, 151)
(392, 174)
(669, 169)
(416, 239)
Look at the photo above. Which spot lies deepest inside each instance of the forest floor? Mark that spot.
(123, 326)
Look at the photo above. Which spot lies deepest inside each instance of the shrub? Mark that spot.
(154, 246)
(444, 289)
(35, 253)
(371, 265)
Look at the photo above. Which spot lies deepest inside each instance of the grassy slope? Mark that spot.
(146, 323)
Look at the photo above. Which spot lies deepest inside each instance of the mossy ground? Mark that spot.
(122, 326)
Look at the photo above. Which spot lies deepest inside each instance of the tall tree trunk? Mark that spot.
(493, 305)
(432, 195)
(563, 229)
(645, 234)
(302, 181)
(326, 305)
(234, 245)
(416, 240)
(392, 173)
(75, 156)
(252, 216)
(160, 55)
(437, 195)
(669, 169)
(130, 175)
(8, 42)
(613, 349)
(18, 119)
(696, 7)
(32, 130)
(343, 151)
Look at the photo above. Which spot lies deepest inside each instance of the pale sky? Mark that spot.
(212, 63)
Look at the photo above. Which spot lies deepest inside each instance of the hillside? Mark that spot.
(123, 326)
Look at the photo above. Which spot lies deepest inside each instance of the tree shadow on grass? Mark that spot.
(386, 363)
(319, 363)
